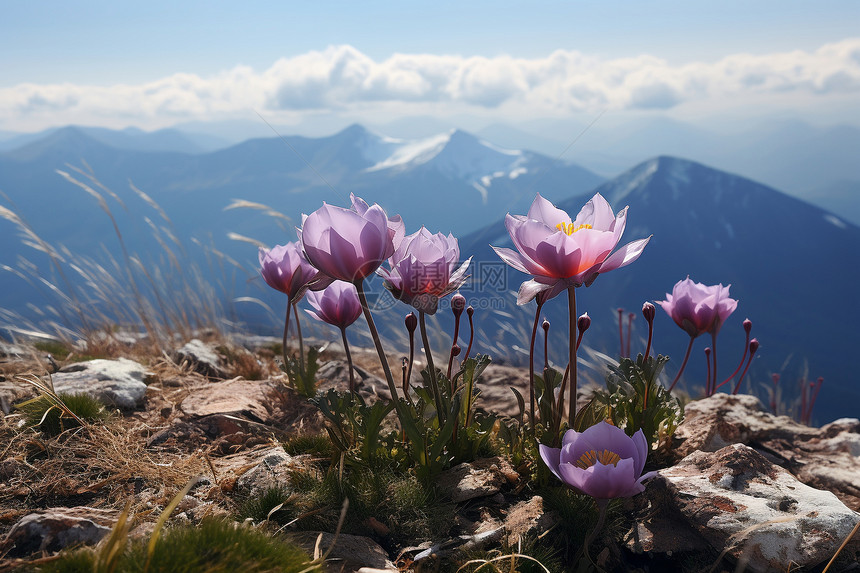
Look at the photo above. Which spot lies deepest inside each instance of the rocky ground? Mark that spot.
(745, 490)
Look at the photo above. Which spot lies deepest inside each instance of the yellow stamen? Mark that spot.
(569, 229)
(591, 457)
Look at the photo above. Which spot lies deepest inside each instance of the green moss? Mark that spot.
(215, 546)
(53, 419)
(316, 445)
(53, 347)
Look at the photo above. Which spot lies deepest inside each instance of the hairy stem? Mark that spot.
(359, 286)
(532, 368)
(571, 298)
(434, 381)
(284, 341)
(348, 361)
(683, 364)
(301, 341)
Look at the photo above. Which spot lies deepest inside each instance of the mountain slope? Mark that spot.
(792, 266)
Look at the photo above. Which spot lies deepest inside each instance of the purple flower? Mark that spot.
(337, 305)
(602, 461)
(560, 252)
(698, 308)
(346, 244)
(424, 268)
(285, 268)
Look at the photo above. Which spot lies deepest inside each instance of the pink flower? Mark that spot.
(560, 252)
(602, 461)
(424, 268)
(346, 244)
(285, 268)
(698, 308)
(337, 305)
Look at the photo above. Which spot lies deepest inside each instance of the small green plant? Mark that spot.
(384, 495)
(274, 504)
(303, 376)
(431, 440)
(53, 413)
(634, 399)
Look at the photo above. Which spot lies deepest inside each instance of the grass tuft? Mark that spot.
(215, 546)
(53, 418)
(315, 445)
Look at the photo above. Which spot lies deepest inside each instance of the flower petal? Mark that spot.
(625, 255)
(550, 457)
(547, 213)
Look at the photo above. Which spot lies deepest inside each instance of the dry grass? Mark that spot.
(95, 464)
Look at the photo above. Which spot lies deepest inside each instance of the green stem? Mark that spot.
(434, 381)
(571, 299)
(301, 342)
(348, 361)
(284, 341)
(359, 286)
(532, 370)
(602, 504)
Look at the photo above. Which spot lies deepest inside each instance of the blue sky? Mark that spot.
(157, 63)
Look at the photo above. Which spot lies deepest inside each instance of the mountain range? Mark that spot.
(792, 265)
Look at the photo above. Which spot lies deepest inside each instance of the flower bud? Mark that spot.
(753, 346)
(583, 322)
(649, 311)
(747, 325)
(455, 350)
(470, 311)
(458, 303)
(545, 325)
(411, 322)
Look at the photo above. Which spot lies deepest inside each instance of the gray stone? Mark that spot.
(269, 468)
(827, 458)
(55, 529)
(119, 383)
(759, 513)
(203, 357)
(350, 553)
(480, 478)
(12, 392)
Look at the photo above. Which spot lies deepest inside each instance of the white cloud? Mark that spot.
(341, 78)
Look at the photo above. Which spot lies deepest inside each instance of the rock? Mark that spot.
(480, 478)
(55, 529)
(827, 458)
(203, 357)
(237, 397)
(251, 473)
(13, 350)
(12, 392)
(120, 383)
(758, 512)
(830, 461)
(528, 518)
(722, 419)
(495, 385)
(350, 554)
